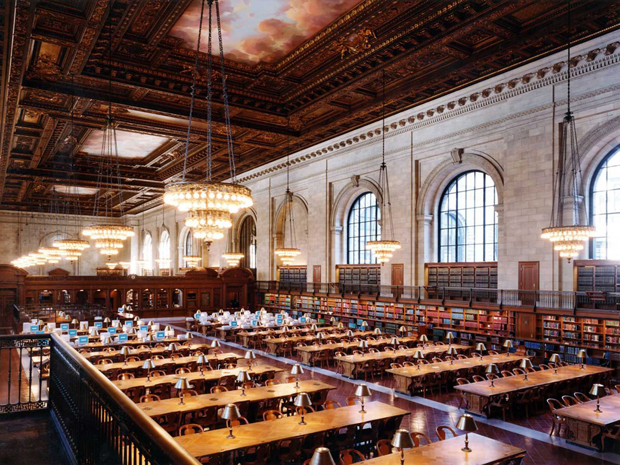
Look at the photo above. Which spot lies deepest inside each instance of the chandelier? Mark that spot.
(108, 236)
(233, 258)
(568, 239)
(192, 260)
(383, 249)
(209, 203)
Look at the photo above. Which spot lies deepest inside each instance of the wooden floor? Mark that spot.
(30, 439)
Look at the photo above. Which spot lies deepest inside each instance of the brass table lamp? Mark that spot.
(302, 401)
(148, 365)
(507, 345)
(468, 424)
(402, 440)
(492, 369)
(182, 385)
(597, 390)
(242, 378)
(296, 371)
(230, 413)
(525, 364)
(362, 392)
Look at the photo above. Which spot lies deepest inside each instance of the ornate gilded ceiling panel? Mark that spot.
(306, 69)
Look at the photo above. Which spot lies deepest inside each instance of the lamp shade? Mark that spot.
(202, 360)
(106, 340)
(106, 320)
(182, 384)
(480, 347)
(402, 439)
(322, 456)
(362, 391)
(467, 423)
(597, 390)
(173, 346)
(94, 331)
(377, 331)
(452, 351)
(364, 324)
(314, 327)
(148, 364)
(216, 343)
(449, 335)
(363, 344)
(303, 400)
(231, 412)
(525, 363)
(168, 328)
(151, 322)
(582, 354)
(492, 369)
(250, 355)
(423, 338)
(555, 358)
(394, 341)
(320, 336)
(349, 333)
(125, 350)
(418, 355)
(297, 369)
(243, 377)
(402, 329)
(507, 344)
(74, 322)
(189, 336)
(339, 326)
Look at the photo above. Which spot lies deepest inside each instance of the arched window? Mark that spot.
(605, 208)
(247, 243)
(164, 248)
(363, 226)
(468, 220)
(147, 252)
(188, 247)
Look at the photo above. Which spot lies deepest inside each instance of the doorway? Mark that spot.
(528, 282)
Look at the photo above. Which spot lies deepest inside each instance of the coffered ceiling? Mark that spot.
(304, 70)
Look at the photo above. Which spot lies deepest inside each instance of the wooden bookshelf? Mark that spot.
(482, 275)
(597, 275)
(358, 274)
(296, 274)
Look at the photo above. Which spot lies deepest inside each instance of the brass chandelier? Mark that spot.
(107, 236)
(568, 239)
(209, 203)
(383, 249)
(288, 254)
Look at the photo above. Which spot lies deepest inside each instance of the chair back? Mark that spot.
(416, 436)
(349, 456)
(442, 430)
(191, 428)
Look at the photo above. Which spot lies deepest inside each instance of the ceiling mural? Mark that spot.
(262, 30)
(302, 72)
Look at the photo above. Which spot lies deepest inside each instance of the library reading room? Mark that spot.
(309, 232)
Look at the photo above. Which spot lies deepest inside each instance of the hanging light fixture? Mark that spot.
(108, 236)
(233, 258)
(568, 239)
(383, 249)
(192, 260)
(71, 248)
(209, 203)
(288, 254)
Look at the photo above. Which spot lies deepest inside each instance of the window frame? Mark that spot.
(595, 175)
(167, 255)
(456, 245)
(148, 264)
(361, 251)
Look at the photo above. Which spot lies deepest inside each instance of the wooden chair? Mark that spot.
(491, 376)
(239, 421)
(181, 371)
(352, 400)
(441, 432)
(289, 450)
(581, 397)
(330, 405)
(157, 373)
(408, 364)
(543, 366)
(613, 433)
(349, 456)
(437, 360)
(125, 376)
(256, 455)
(149, 398)
(518, 371)
(270, 415)
(461, 357)
(416, 436)
(478, 378)
(569, 400)
(558, 421)
(493, 352)
(197, 353)
(271, 382)
(500, 403)
(189, 392)
(133, 359)
(104, 361)
(506, 373)
(384, 447)
(190, 428)
(368, 367)
(158, 357)
(461, 381)
(217, 389)
(617, 388)
(395, 365)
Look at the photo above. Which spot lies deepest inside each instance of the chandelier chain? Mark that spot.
(209, 95)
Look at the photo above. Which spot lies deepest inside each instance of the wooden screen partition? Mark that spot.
(597, 275)
(149, 296)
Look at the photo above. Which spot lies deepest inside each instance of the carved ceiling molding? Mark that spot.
(582, 64)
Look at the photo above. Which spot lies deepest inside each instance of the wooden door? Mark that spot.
(7, 300)
(316, 274)
(398, 274)
(528, 281)
(526, 325)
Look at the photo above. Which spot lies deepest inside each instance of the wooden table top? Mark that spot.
(348, 345)
(215, 442)
(269, 332)
(484, 451)
(209, 375)
(537, 378)
(163, 361)
(397, 353)
(610, 406)
(281, 340)
(412, 372)
(154, 351)
(166, 406)
(95, 345)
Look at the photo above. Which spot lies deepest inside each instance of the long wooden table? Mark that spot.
(350, 362)
(209, 376)
(180, 361)
(247, 335)
(484, 451)
(269, 432)
(272, 344)
(144, 353)
(131, 342)
(479, 394)
(585, 425)
(307, 353)
(405, 376)
(253, 396)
